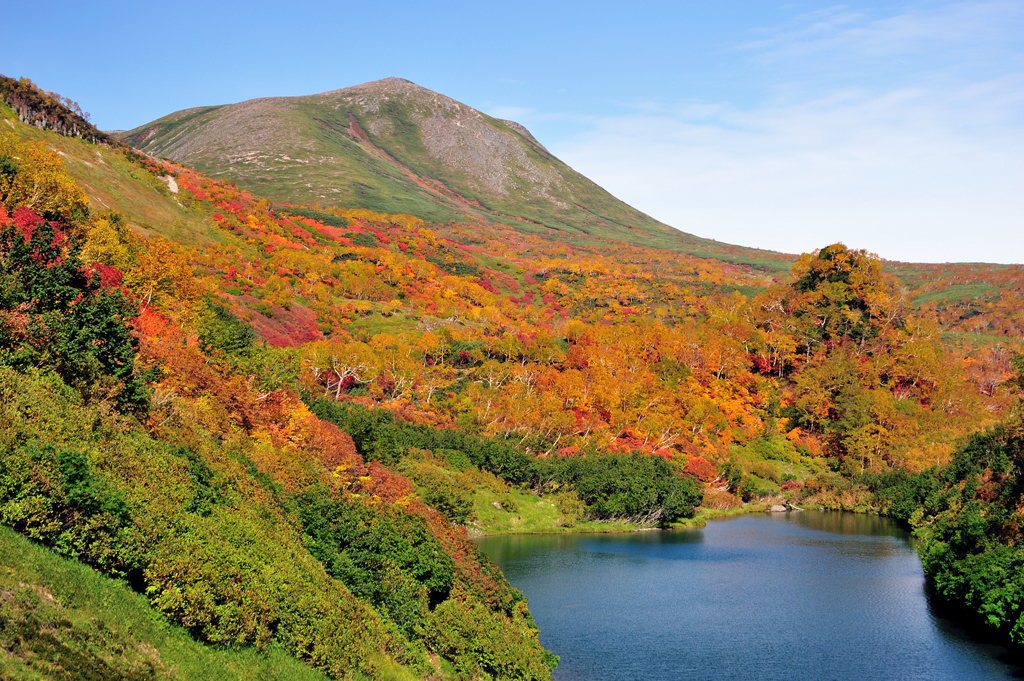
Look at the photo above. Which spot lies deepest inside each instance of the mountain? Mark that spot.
(392, 146)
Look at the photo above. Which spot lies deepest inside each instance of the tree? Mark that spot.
(53, 314)
(32, 176)
(844, 292)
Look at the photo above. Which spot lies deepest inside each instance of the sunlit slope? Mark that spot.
(979, 301)
(395, 147)
(114, 183)
(62, 619)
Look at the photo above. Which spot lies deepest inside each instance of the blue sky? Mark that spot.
(892, 126)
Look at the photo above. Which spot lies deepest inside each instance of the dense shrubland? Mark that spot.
(642, 489)
(238, 514)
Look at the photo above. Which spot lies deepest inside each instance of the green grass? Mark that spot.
(956, 292)
(525, 513)
(61, 619)
(375, 323)
(976, 340)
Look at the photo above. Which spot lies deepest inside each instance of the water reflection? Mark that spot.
(846, 524)
(810, 595)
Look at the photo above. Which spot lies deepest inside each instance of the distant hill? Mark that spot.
(395, 147)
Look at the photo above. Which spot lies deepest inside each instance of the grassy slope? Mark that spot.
(53, 610)
(352, 178)
(61, 619)
(113, 183)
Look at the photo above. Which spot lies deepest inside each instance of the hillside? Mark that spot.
(60, 619)
(281, 423)
(391, 146)
(238, 514)
(344, 277)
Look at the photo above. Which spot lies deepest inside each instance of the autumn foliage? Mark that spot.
(223, 424)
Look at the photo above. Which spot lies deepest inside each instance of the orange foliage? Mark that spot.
(588, 342)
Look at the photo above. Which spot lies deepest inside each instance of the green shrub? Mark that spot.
(571, 507)
(969, 521)
(899, 493)
(645, 489)
(481, 644)
(459, 269)
(220, 331)
(361, 239)
(383, 556)
(56, 497)
(441, 490)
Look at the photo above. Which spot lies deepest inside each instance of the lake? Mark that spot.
(811, 595)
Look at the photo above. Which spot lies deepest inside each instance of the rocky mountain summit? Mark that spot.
(490, 153)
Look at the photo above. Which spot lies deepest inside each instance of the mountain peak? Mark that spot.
(405, 96)
(393, 146)
(385, 86)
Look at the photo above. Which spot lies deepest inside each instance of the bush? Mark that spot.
(898, 493)
(644, 489)
(56, 497)
(640, 488)
(720, 500)
(481, 645)
(441, 491)
(571, 507)
(383, 556)
(54, 315)
(969, 520)
(221, 332)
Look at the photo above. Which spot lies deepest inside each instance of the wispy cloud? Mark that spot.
(937, 33)
(901, 134)
(508, 112)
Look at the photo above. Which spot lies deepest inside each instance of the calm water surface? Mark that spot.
(795, 596)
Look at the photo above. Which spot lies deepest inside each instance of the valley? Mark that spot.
(273, 364)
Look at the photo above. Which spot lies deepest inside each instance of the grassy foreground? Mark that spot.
(59, 619)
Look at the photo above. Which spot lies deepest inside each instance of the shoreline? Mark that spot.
(698, 521)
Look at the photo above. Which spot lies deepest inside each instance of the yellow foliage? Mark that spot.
(108, 240)
(40, 182)
(163, 277)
